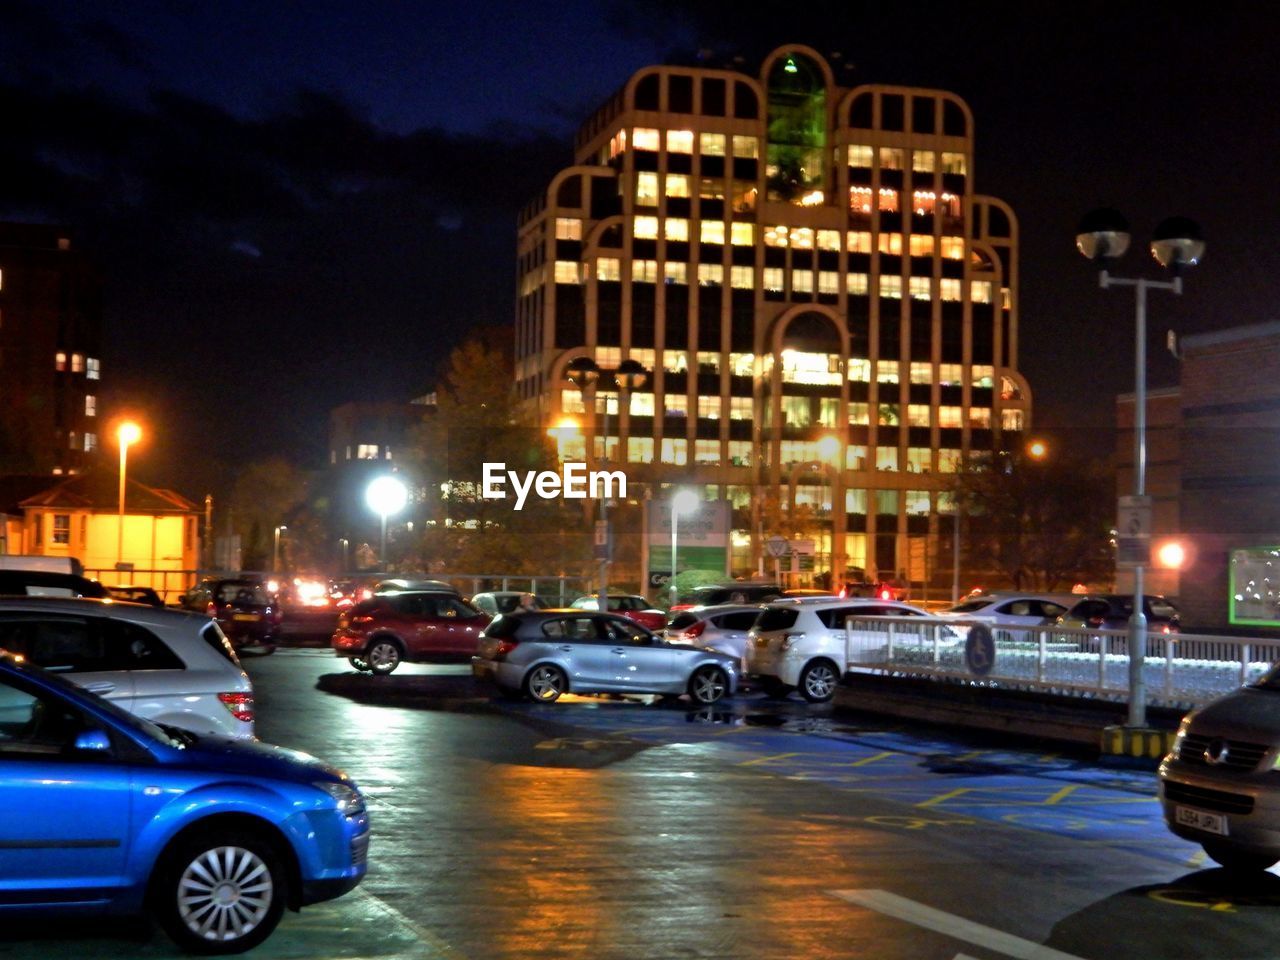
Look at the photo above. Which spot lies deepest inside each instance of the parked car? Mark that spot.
(380, 633)
(1010, 609)
(165, 665)
(630, 605)
(722, 627)
(802, 643)
(120, 815)
(247, 611)
(545, 653)
(47, 583)
(1218, 785)
(131, 594)
(737, 591)
(401, 584)
(494, 602)
(1111, 611)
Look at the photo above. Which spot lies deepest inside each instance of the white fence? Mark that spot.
(1179, 670)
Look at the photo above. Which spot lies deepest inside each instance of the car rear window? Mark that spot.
(970, 606)
(1159, 607)
(502, 627)
(834, 618)
(217, 640)
(682, 621)
(777, 618)
(742, 620)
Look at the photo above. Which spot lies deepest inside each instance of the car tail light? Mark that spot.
(505, 647)
(886, 594)
(695, 631)
(844, 592)
(344, 621)
(240, 705)
(1095, 622)
(211, 609)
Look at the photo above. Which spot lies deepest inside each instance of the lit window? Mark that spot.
(90, 406)
(644, 271)
(921, 245)
(950, 288)
(828, 240)
(567, 271)
(706, 451)
(62, 528)
(923, 202)
(708, 361)
(923, 161)
(919, 459)
(642, 404)
(90, 442)
(1011, 419)
(710, 274)
(859, 413)
(980, 291)
(918, 415)
(953, 163)
(891, 243)
(744, 196)
(746, 148)
(801, 366)
(983, 376)
(921, 371)
(801, 238)
(742, 234)
(740, 454)
(742, 278)
(367, 451)
(774, 278)
(742, 364)
(640, 449)
(891, 158)
(891, 287)
(858, 241)
(951, 374)
(72, 441)
(775, 236)
(608, 268)
(568, 228)
(617, 144)
(1006, 298)
(646, 228)
(709, 408)
(712, 231)
(917, 503)
(860, 199)
(796, 412)
(60, 361)
(855, 501)
(677, 185)
(646, 189)
(886, 371)
(676, 228)
(950, 418)
(948, 461)
(710, 188)
(680, 141)
(949, 205)
(741, 408)
(921, 288)
(645, 138)
(953, 248)
(712, 144)
(888, 200)
(887, 459)
(675, 272)
(802, 281)
(77, 363)
(859, 369)
(675, 451)
(860, 155)
(608, 356)
(675, 361)
(828, 282)
(887, 414)
(855, 458)
(643, 356)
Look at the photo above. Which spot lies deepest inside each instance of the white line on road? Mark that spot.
(949, 924)
(425, 936)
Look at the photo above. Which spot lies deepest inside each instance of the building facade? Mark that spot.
(50, 350)
(826, 308)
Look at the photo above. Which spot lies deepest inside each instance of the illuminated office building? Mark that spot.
(828, 310)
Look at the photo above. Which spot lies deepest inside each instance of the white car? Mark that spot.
(722, 627)
(802, 644)
(1011, 609)
(168, 666)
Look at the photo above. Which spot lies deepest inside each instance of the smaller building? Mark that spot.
(79, 517)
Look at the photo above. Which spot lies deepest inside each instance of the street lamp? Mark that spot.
(1103, 236)
(683, 502)
(585, 374)
(385, 496)
(127, 433)
(275, 549)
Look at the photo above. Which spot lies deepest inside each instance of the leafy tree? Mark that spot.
(267, 494)
(1040, 524)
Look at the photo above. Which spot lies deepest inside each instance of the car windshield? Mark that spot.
(241, 592)
(1160, 607)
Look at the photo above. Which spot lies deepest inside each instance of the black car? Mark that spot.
(247, 613)
(133, 594)
(1111, 611)
(45, 583)
(736, 592)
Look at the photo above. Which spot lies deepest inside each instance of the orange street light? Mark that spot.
(1037, 449)
(127, 433)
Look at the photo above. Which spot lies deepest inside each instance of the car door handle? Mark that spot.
(620, 651)
(566, 649)
(101, 688)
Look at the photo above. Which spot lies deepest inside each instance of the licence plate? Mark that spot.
(246, 616)
(1200, 820)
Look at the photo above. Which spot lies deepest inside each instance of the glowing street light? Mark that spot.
(385, 496)
(275, 550)
(1037, 449)
(127, 433)
(682, 502)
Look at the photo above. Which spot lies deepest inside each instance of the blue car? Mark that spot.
(114, 814)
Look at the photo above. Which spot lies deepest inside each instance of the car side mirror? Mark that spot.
(92, 741)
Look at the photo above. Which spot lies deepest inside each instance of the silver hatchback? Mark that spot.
(1220, 785)
(545, 653)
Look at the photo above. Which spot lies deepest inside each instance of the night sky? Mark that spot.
(296, 205)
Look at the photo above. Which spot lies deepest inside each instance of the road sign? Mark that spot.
(600, 545)
(777, 546)
(1133, 531)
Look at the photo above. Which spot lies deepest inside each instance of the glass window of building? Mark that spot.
(855, 501)
(742, 234)
(742, 364)
(366, 451)
(801, 238)
(950, 289)
(859, 369)
(950, 418)
(775, 236)
(742, 278)
(570, 402)
(568, 228)
(951, 374)
(953, 248)
(740, 456)
(608, 268)
(746, 148)
(796, 412)
(643, 356)
(887, 503)
(606, 448)
(640, 449)
(919, 459)
(675, 450)
(953, 163)
(710, 274)
(859, 413)
(948, 461)
(568, 271)
(608, 356)
(800, 366)
(708, 361)
(891, 243)
(921, 371)
(645, 138)
(858, 241)
(773, 279)
(918, 415)
(646, 228)
(708, 408)
(677, 185)
(744, 194)
(917, 503)
(855, 456)
(802, 281)
(891, 286)
(676, 228)
(711, 231)
(983, 376)
(891, 158)
(679, 141)
(829, 411)
(861, 155)
(676, 405)
(77, 363)
(675, 361)
(60, 361)
(675, 272)
(90, 442)
(1011, 419)
(860, 199)
(923, 161)
(921, 288)
(828, 282)
(92, 368)
(889, 414)
(857, 284)
(740, 408)
(712, 144)
(888, 200)
(706, 451)
(617, 144)
(641, 404)
(886, 371)
(646, 189)
(828, 240)
(1006, 298)
(923, 202)
(980, 418)
(887, 459)
(644, 271)
(980, 291)
(90, 405)
(711, 188)
(921, 245)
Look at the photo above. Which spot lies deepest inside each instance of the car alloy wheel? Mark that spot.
(818, 682)
(708, 685)
(546, 683)
(383, 656)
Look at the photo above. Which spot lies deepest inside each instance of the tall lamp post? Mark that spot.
(127, 433)
(1103, 237)
(584, 374)
(385, 496)
(275, 549)
(683, 503)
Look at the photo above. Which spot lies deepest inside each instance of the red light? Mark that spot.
(695, 631)
(844, 591)
(886, 594)
(1095, 621)
(211, 608)
(240, 705)
(505, 647)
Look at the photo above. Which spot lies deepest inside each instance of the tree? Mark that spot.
(1040, 524)
(268, 494)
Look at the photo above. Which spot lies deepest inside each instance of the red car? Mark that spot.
(421, 627)
(630, 605)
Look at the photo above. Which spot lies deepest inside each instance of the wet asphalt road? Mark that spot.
(616, 829)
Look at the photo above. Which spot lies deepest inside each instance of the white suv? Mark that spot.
(802, 643)
(165, 665)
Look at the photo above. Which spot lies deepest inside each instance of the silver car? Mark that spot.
(165, 665)
(721, 627)
(544, 653)
(1219, 786)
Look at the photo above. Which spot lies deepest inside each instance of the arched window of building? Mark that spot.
(797, 130)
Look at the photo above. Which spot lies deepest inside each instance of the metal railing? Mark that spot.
(1181, 670)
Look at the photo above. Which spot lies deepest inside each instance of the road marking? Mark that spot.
(769, 759)
(872, 759)
(949, 924)
(1065, 791)
(944, 797)
(428, 938)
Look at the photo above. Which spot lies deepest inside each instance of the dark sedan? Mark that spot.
(246, 612)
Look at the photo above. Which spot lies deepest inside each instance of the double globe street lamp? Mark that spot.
(1103, 237)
